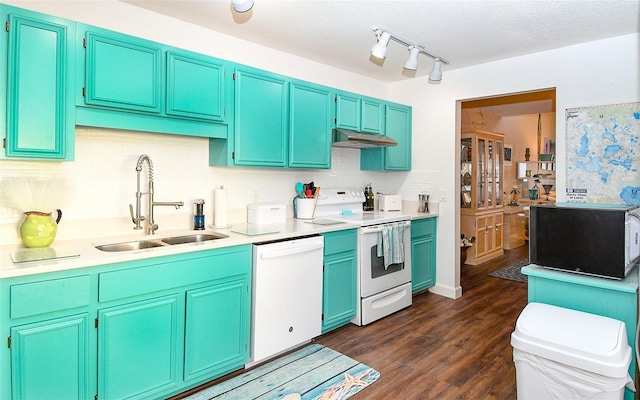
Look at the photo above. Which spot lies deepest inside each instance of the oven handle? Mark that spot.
(378, 228)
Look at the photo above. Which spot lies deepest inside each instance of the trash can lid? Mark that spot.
(579, 339)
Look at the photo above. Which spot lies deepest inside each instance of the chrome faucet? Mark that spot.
(150, 226)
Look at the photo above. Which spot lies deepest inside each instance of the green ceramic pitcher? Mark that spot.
(38, 229)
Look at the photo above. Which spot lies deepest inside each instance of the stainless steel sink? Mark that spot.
(148, 244)
(134, 245)
(198, 237)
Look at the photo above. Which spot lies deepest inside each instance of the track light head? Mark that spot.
(379, 50)
(242, 6)
(436, 73)
(412, 61)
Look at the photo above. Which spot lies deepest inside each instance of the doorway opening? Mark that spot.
(507, 163)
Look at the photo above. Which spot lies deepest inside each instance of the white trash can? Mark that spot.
(568, 354)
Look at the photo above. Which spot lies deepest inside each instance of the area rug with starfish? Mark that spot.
(313, 372)
(512, 272)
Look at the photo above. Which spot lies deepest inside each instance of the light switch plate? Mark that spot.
(443, 195)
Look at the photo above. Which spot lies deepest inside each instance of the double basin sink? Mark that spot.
(168, 241)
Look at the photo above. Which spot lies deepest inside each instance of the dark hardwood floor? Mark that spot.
(441, 348)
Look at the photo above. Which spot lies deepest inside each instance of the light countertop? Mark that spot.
(82, 253)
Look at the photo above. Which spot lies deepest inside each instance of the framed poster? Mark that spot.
(508, 154)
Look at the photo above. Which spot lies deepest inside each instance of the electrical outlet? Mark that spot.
(443, 194)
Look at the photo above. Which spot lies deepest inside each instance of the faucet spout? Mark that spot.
(176, 204)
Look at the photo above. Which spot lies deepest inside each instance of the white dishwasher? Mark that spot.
(287, 295)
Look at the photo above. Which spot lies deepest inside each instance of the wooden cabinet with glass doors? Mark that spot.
(481, 187)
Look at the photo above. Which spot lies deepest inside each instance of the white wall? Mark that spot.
(594, 73)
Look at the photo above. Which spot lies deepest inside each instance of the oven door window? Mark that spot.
(377, 265)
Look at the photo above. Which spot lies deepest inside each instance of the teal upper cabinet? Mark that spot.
(310, 123)
(123, 72)
(394, 158)
(348, 111)
(40, 59)
(278, 122)
(372, 117)
(136, 84)
(195, 87)
(358, 113)
(260, 119)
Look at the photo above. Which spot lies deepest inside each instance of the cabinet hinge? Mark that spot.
(322, 316)
(95, 323)
(335, 121)
(9, 342)
(84, 42)
(84, 91)
(335, 99)
(6, 25)
(234, 76)
(233, 155)
(95, 397)
(4, 143)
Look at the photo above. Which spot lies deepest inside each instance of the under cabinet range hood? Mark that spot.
(360, 140)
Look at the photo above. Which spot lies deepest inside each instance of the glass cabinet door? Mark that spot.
(466, 172)
(481, 176)
(481, 172)
(499, 168)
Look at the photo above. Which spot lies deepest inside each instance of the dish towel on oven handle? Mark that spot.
(391, 244)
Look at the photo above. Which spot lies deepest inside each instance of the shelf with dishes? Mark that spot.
(538, 179)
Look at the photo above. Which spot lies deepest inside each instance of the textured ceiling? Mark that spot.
(469, 32)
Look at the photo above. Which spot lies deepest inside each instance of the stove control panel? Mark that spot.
(341, 196)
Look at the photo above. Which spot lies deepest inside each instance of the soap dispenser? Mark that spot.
(198, 215)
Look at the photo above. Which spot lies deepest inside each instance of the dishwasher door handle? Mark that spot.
(290, 251)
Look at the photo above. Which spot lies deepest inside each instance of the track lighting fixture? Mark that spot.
(242, 6)
(436, 73)
(412, 61)
(379, 50)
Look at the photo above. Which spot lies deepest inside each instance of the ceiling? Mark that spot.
(463, 32)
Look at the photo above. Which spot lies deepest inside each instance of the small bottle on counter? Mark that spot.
(198, 215)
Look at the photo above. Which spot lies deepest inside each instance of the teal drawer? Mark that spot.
(340, 241)
(422, 227)
(48, 296)
(175, 273)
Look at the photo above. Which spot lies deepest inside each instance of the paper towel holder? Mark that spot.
(220, 209)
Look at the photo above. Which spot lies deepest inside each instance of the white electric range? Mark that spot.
(383, 288)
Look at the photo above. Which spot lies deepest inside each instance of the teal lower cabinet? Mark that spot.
(137, 349)
(215, 332)
(611, 298)
(339, 290)
(141, 329)
(49, 359)
(423, 253)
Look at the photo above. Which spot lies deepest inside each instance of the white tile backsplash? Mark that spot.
(103, 180)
